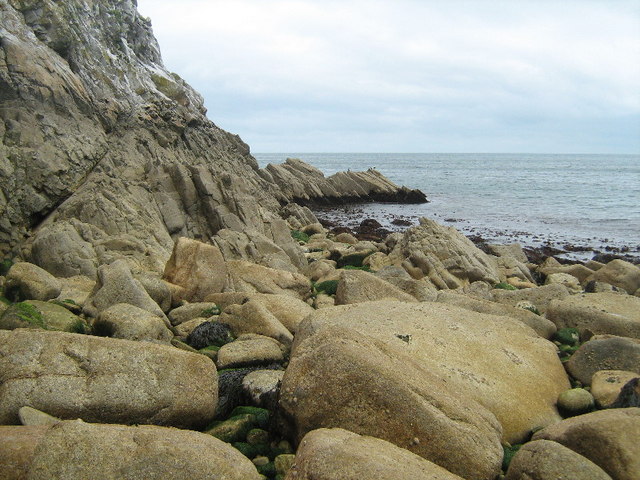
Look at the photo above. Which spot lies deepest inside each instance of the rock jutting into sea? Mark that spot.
(170, 310)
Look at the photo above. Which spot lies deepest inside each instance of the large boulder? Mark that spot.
(104, 379)
(75, 450)
(254, 317)
(251, 278)
(604, 352)
(197, 267)
(358, 366)
(540, 297)
(609, 438)
(37, 314)
(547, 460)
(620, 274)
(329, 454)
(598, 313)
(131, 323)
(26, 281)
(444, 256)
(355, 286)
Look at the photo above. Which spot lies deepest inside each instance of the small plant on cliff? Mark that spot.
(504, 286)
(299, 236)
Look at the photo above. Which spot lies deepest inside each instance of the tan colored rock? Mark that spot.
(76, 288)
(510, 267)
(609, 438)
(594, 265)
(606, 385)
(519, 283)
(254, 317)
(357, 286)
(190, 311)
(131, 323)
(323, 300)
(619, 274)
(318, 269)
(569, 281)
(329, 454)
(539, 324)
(157, 289)
(421, 290)
(599, 313)
(541, 297)
(75, 450)
(580, 272)
(445, 256)
(185, 328)
(604, 352)
(17, 448)
(26, 281)
(104, 379)
(251, 278)
(513, 250)
(197, 267)
(547, 460)
(262, 386)
(46, 315)
(250, 350)
(32, 416)
(346, 238)
(358, 366)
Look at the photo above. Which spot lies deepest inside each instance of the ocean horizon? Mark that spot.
(582, 200)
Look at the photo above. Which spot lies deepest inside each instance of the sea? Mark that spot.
(573, 202)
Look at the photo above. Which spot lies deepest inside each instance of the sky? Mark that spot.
(537, 76)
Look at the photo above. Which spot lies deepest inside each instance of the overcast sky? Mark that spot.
(411, 76)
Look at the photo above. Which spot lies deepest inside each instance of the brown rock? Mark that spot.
(541, 297)
(604, 352)
(17, 447)
(609, 438)
(251, 278)
(619, 274)
(329, 454)
(606, 385)
(254, 317)
(26, 281)
(249, 350)
(356, 286)
(131, 323)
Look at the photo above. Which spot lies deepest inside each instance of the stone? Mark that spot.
(539, 324)
(346, 238)
(547, 460)
(604, 352)
(76, 289)
(579, 272)
(606, 385)
(211, 332)
(619, 274)
(328, 454)
(263, 387)
(513, 250)
(250, 350)
(104, 379)
(131, 323)
(629, 395)
(46, 315)
(190, 311)
(358, 366)
(157, 289)
(284, 462)
(356, 286)
(116, 285)
(444, 256)
(541, 297)
(319, 269)
(254, 317)
(598, 313)
(32, 416)
(609, 438)
(75, 450)
(184, 329)
(421, 290)
(197, 267)
(26, 281)
(251, 278)
(510, 267)
(17, 448)
(314, 228)
(376, 261)
(575, 401)
(569, 281)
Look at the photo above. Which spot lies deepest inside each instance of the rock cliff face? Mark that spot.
(105, 154)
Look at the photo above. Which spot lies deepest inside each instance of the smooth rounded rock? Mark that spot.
(575, 401)
(604, 352)
(26, 281)
(131, 323)
(606, 385)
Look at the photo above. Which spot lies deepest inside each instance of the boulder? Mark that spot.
(619, 274)
(75, 450)
(607, 384)
(37, 314)
(609, 438)
(116, 285)
(575, 401)
(26, 281)
(446, 257)
(262, 387)
(248, 277)
(539, 324)
(358, 366)
(547, 460)
(33, 416)
(17, 448)
(345, 237)
(579, 272)
(513, 250)
(629, 395)
(598, 313)
(510, 267)
(541, 297)
(329, 454)
(197, 267)
(569, 281)
(604, 352)
(184, 329)
(421, 290)
(190, 311)
(131, 323)
(77, 289)
(157, 289)
(254, 317)
(249, 350)
(356, 286)
(104, 379)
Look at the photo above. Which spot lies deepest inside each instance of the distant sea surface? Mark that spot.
(590, 201)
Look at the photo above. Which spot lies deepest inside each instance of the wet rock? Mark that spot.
(629, 395)
(210, 333)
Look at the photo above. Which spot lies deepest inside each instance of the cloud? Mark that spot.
(306, 74)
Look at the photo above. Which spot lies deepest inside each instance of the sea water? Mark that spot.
(535, 199)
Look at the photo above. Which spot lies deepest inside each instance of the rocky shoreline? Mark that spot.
(170, 310)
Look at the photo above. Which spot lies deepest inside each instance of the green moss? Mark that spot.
(330, 287)
(261, 414)
(300, 236)
(509, 452)
(364, 268)
(567, 336)
(533, 309)
(268, 470)
(352, 260)
(234, 429)
(5, 300)
(210, 348)
(209, 312)
(504, 286)
(79, 327)
(30, 314)
(5, 266)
